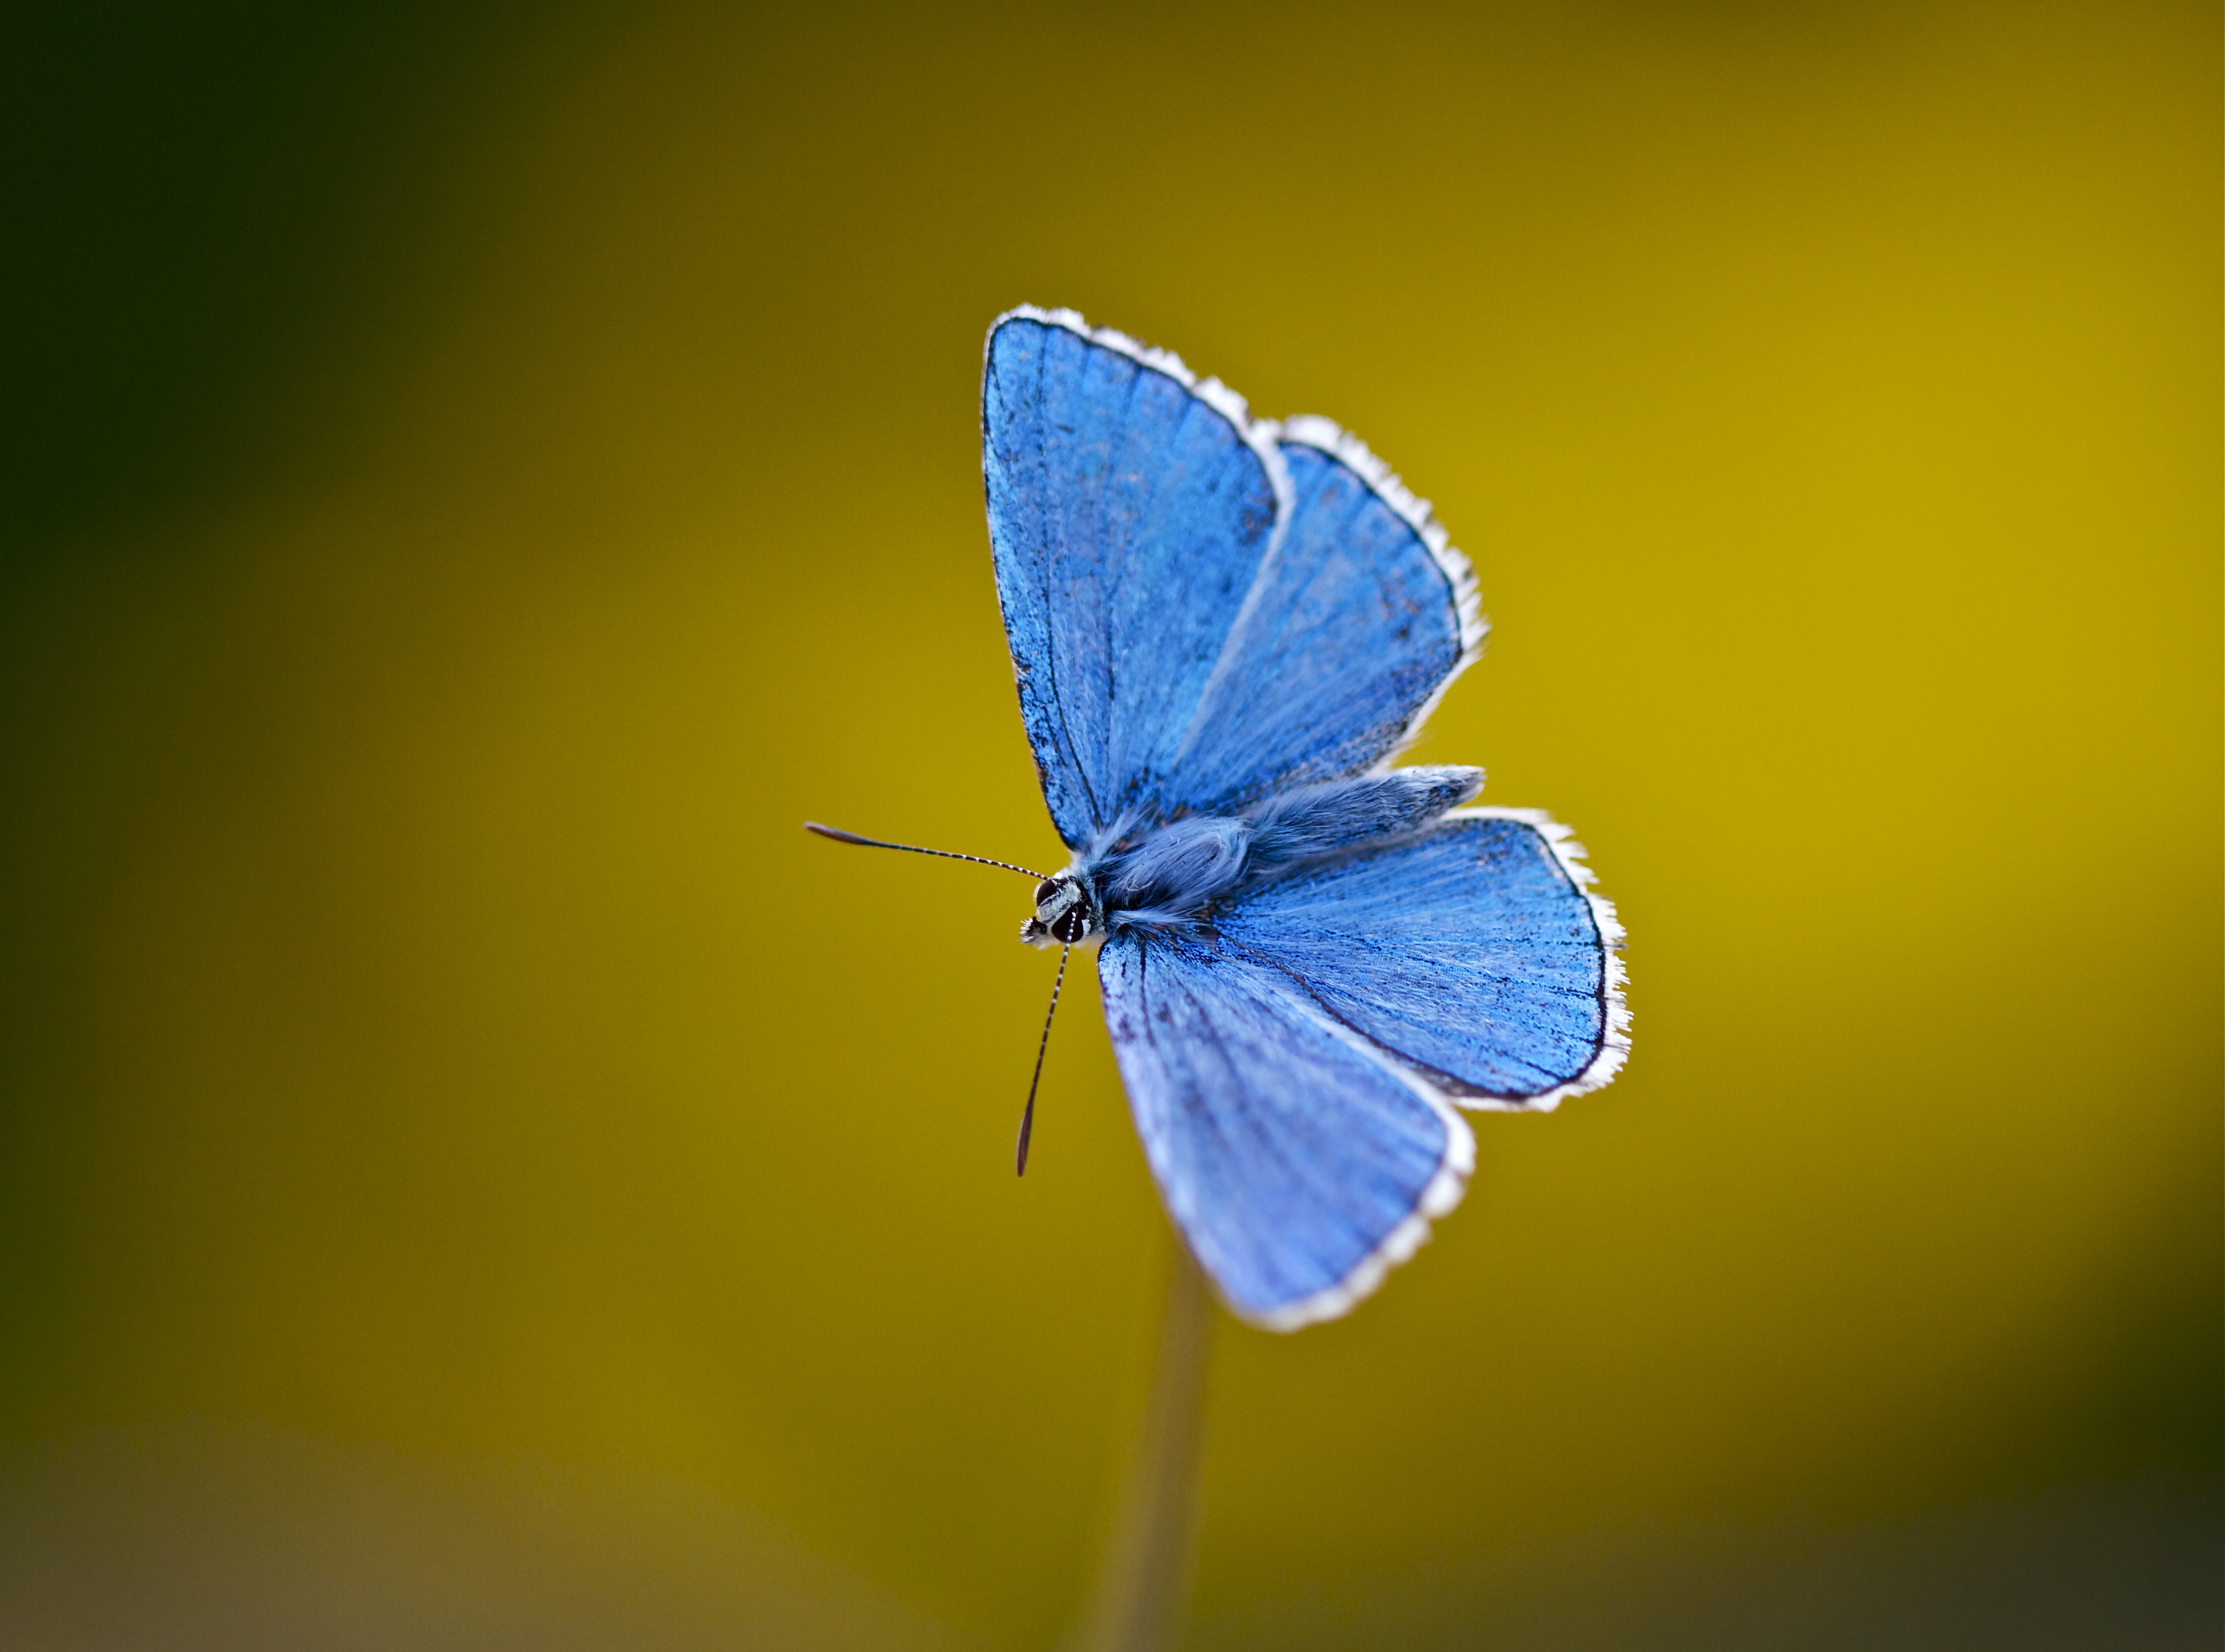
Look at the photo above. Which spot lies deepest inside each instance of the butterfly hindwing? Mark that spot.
(1299, 1162)
(1473, 952)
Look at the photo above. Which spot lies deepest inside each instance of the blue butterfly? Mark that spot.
(1223, 630)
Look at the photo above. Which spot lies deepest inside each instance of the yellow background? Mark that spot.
(476, 1174)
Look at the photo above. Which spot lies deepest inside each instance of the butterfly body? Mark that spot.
(1223, 630)
(1173, 875)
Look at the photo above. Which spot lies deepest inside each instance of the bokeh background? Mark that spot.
(475, 477)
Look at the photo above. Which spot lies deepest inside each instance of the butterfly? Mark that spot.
(1223, 630)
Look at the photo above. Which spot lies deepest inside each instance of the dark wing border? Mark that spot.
(1614, 1038)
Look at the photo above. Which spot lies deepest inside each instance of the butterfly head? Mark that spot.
(1065, 913)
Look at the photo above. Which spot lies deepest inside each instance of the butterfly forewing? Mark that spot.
(1355, 623)
(1178, 652)
(1128, 516)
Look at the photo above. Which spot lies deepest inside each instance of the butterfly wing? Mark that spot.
(1129, 508)
(1353, 629)
(1290, 1069)
(1475, 955)
(1204, 610)
(1299, 1161)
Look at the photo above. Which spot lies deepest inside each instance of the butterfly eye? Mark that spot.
(1045, 890)
(1072, 924)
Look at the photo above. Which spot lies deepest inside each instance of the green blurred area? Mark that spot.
(473, 479)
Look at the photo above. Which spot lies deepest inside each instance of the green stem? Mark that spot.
(1147, 1576)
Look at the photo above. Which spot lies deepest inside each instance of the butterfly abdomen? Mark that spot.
(1170, 875)
(1316, 820)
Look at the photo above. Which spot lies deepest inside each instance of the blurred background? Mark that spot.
(475, 477)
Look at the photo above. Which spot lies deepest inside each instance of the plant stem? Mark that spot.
(1141, 1591)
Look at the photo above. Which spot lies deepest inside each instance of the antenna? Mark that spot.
(1042, 1045)
(842, 836)
(1027, 1118)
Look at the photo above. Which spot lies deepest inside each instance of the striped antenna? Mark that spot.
(1027, 1118)
(842, 836)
